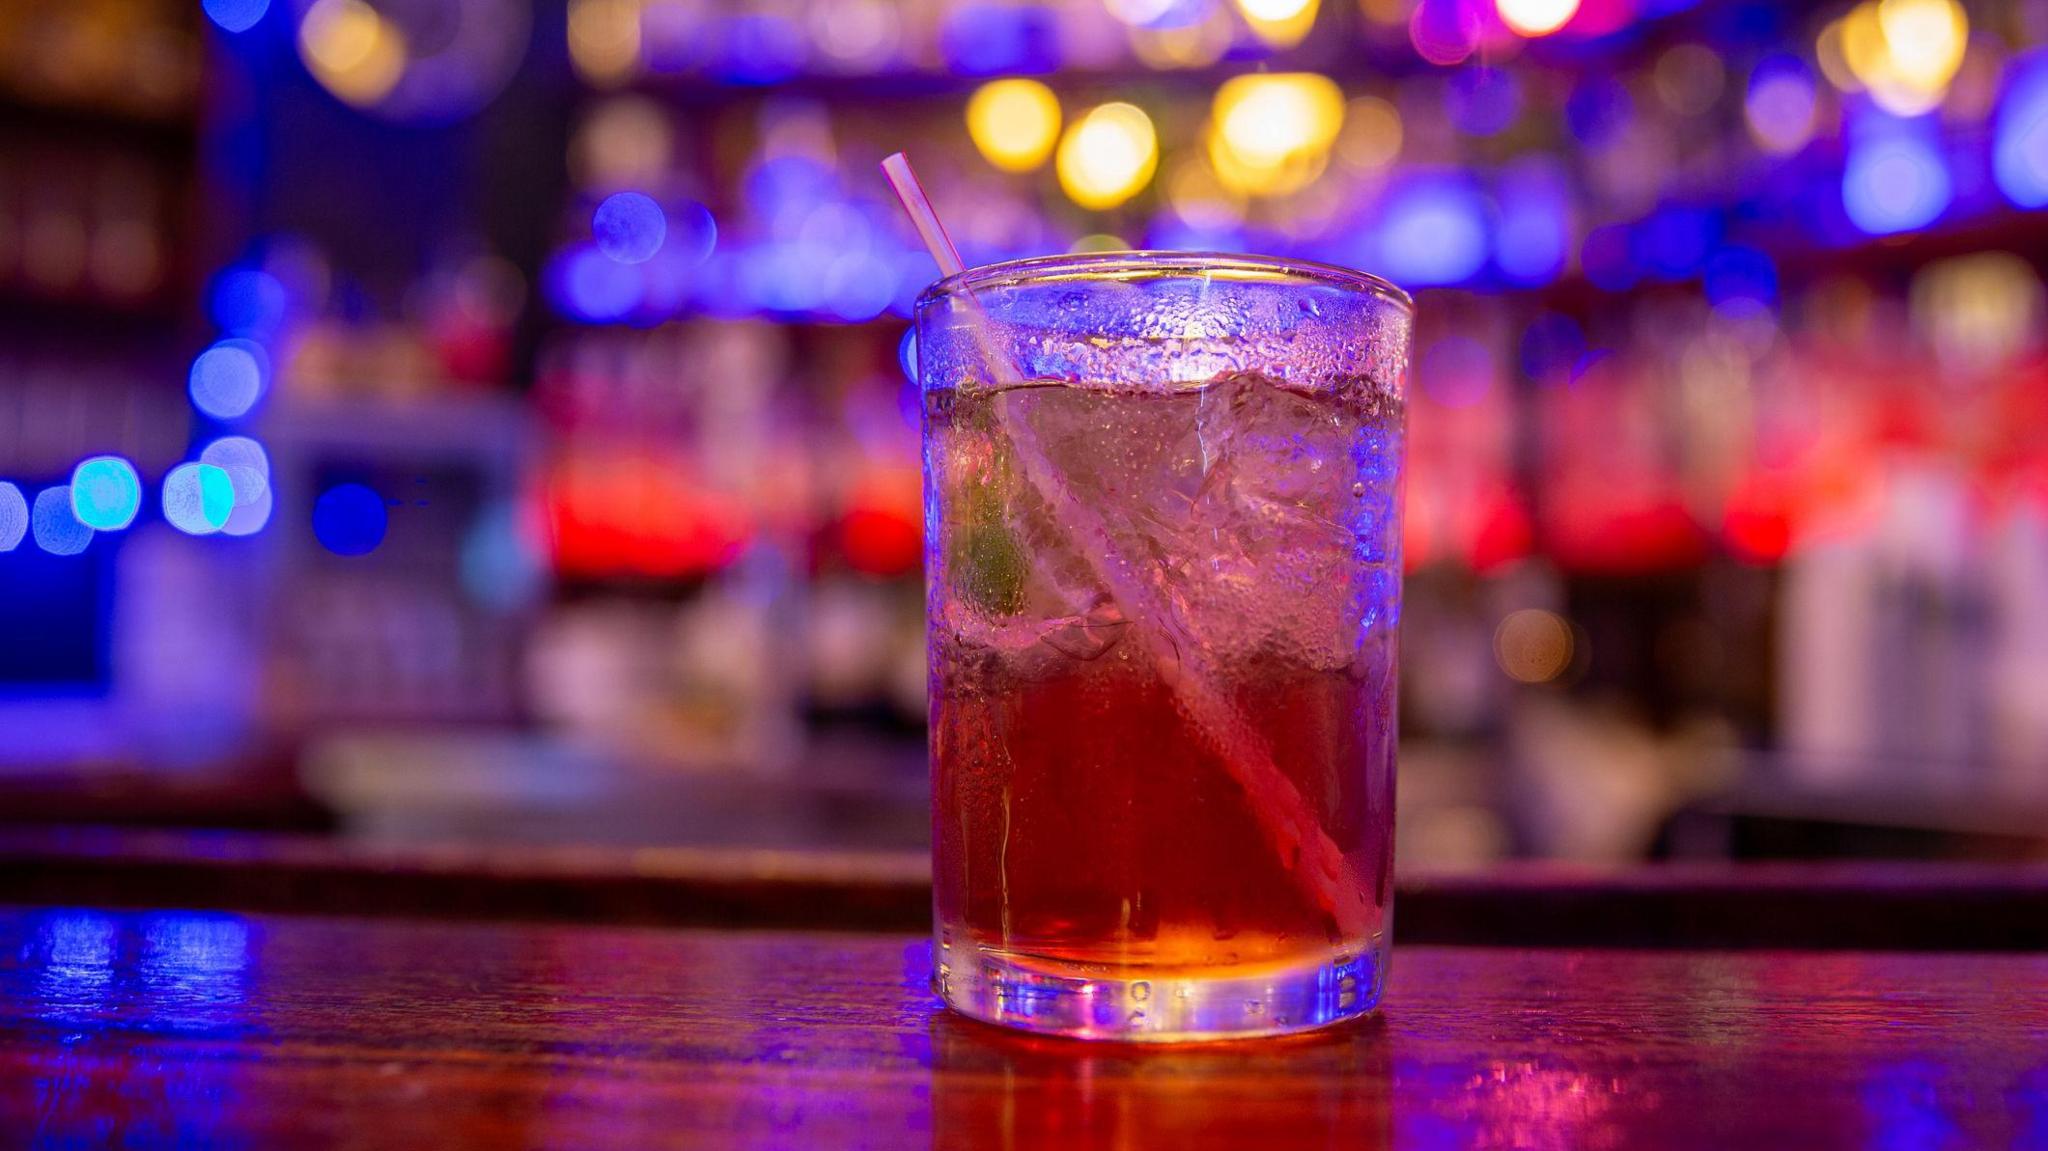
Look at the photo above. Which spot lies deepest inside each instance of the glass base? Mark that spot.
(1078, 1000)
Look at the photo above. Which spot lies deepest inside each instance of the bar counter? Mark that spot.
(165, 1028)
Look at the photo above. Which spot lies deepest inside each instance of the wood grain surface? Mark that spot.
(176, 1029)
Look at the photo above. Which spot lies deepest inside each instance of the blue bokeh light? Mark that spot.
(1675, 240)
(692, 233)
(247, 302)
(13, 517)
(858, 288)
(629, 227)
(501, 563)
(198, 498)
(2019, 149)
(235, 15)
(987, 39)
(758, 48)
(586, 285)
(1738, 273)
(1533, 238)
(1598, 108)
(350, 520)
(1483, 101)
(1894, 179)
(105, 493)
(906, 354)
(228, 378)
(1434, 231)
(56, 527)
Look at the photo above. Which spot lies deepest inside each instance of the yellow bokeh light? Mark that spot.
(1925, 40)
(1195, 45)
(1829, 53)
(1903, 52)
(1270, 134)
(1099, 242)
(352, 50)
(1107, 156)
(1014, 123)
(1371, 137)
(1533, 645)
(1386, 13)
(1279, 23)
(604, 40)
(1200, 198)
(1536, 17)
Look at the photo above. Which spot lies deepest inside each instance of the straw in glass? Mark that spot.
(1287, 821)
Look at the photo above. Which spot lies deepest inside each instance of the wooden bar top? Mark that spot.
(148, 1029)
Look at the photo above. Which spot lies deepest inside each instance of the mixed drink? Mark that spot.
(1163, 655)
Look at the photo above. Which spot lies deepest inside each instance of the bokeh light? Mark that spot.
(1738, 273)
(1139, 13)
(1536, 17)
(1533, 238)
(1279, 23)
(246, 463)
(227, 379)
(1533, 645)
(1433, 231)
(246, 302)
(1444, 32)
(858, 34)
(2019, 150)
(1903, 52)
(1894, 179)
(1014, 123)
(1199, 197)
(13, 516)
(1371, 136)
(584, 284)
(1195, 45)
(350, 520)
(629, 227)
(604, 40)
(352, 50)
(1690, 78)
(1483, 101)
(250, 515)
(982, 39)
(105, 493)
(56, 527)
(198, 498)
(1780, 105)
(1271, 132)
(235, 15)
(1107, 156)
(906, 354)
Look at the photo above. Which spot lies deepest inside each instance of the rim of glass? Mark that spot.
(1095, 265)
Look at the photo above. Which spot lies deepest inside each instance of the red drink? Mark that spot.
(1163, 690)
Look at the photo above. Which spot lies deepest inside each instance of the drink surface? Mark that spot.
(1163, 668)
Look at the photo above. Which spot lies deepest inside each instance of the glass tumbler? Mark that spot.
(1163, 549)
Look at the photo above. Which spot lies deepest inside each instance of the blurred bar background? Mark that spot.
(488, 421)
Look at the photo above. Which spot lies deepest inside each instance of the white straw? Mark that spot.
(915, 202)
(1290, 825)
